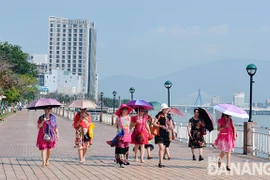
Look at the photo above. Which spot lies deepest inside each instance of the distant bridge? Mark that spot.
(189, 109)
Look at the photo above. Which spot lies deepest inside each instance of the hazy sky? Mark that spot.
(148, 38)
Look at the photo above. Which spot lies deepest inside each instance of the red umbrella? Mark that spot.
(176, 111)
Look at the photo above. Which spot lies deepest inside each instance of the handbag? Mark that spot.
(46, 136)
(150, 137)
(86, 137)
(203, 131)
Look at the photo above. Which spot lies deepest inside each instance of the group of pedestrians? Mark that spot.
(137, 130)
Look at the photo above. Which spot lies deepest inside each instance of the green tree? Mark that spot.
(18, 59)
(17, 75)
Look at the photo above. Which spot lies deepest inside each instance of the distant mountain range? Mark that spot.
(217, 78)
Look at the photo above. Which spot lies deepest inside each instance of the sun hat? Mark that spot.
(163, 106)
(118, 112)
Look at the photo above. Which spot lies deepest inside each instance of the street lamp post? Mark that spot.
(248, 137)
(101, 106)
(114, 94)
(131, 90)
(251, 70)
(168, 85)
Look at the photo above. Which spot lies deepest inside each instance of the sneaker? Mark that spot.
(122, 166)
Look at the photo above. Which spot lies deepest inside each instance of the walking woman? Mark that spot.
(140, 133)
(226, 138)
(149, 146)
(123, 124)
(81, 124)
(196, 139)
(47, 135)
(162, 139)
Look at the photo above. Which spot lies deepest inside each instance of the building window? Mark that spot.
(50, 52)
(69, 39)
(51, 30)
(58, 30)
(80, 61)
(50, 56)
(63, 57)
(69, 35)
(69, 56)
(74, 56)
(74, 65)
(63, 65)
(50, 47)
(57, 65)
(75, 30)
(74, 39)
(74, 52)
(80, 52)
(69, 30)
(64, 30)
(63, 43)
(57, 43)
(63, 61)
(57, 52)
(58, 25)
(68, 65)
(63, 52)
(50, 61)
(69, 61)
(74, 61)
(74, 35)
(51, 25)
(64, 26)
(80, 44)
(51, 34)
(74, 48)
(57, 61)
(65, 81)
(74, 44)
(68, 69)
(58, 34)
(80, 35)
(80, 39)
(80, 57)
(81, 30)
(58, 39)
(64, 39)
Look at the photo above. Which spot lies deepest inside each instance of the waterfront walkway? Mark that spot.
(20, 159)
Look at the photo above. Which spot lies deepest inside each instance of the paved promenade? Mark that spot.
(20, 159)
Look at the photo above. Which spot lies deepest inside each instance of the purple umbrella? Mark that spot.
(140, 104)
(42, 103)
(231, 110)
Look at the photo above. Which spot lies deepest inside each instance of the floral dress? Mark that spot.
(197, 139)
(79, 137)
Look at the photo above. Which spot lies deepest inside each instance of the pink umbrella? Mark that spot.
(42, 103)
(176, 111)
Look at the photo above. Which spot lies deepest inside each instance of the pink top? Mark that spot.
(223, 123)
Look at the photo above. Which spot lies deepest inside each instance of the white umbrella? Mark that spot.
(83, 103)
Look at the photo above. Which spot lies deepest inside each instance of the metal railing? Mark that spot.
(260, 135)
(261, 141)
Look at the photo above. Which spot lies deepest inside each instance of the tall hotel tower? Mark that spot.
(72, 47)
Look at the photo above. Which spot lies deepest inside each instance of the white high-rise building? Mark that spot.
(239, 99)
(72, 47)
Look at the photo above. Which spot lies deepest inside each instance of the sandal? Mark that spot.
(160, 165)
(219, 163)
(149, 157)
